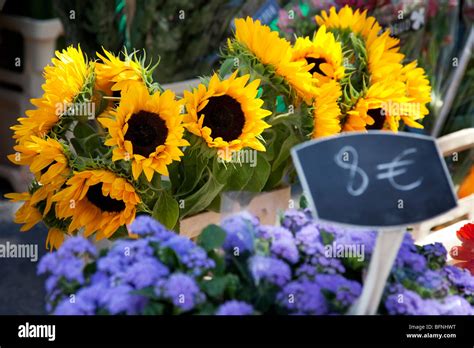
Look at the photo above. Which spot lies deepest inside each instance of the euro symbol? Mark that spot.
(353, 170)
(396, 168)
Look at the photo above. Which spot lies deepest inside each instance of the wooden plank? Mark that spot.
(266, 206)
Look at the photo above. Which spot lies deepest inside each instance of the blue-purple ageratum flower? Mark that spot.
(77, 246)
(308, 240)
(282, 242)
(121, 299)
(240, 230)
(302, 297)
(270, 232)
(192, 256)
(235, 308)
(286, 249)
(68, 262)
(294, 219)
(435, 250)
(407, 302)
(343, 236)
(123, 254)
(182, 291)
(461, 279)
(86, 302)
(409, 257)
(269, 269)
(345, 291)
(145, 225)
(402, 301)
(454, 305)
(434, 281)
(145, 273)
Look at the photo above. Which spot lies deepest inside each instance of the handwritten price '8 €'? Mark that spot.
(348, 158)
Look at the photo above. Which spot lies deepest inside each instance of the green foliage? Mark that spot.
(166, 209)
(212, 237)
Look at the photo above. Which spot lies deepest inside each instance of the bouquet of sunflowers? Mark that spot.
(106, 142)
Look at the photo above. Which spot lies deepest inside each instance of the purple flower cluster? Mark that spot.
(182, 290)
(67, 263)
(326, 294)
(128, 267)
(344, 291)
(282, 241)
(190, 255)
(290, 269)
(294, 220)
(240, 230)
(235, 308)
(271, 270)
(461, 279)
(402, 301)
(409, 257)
(303, 297)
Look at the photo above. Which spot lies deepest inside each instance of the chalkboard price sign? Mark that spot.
(375, 179)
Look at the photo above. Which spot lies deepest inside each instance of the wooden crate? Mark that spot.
(265, 206)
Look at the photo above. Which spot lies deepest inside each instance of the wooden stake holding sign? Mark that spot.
(377, 180)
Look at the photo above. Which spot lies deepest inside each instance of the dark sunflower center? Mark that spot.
(379, 118)
(317, 62)
(224, 116)
(104, 203)
(146, 131)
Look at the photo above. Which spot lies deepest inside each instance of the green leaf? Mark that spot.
(148, 292)
(186, 175)
(303, 202)
(154, 308)
(260, 175)
(83, 130)
(212, 237)
(220, 262)
(215, 287)
(240, 175)
(201, 199)
(284, 153)
(226, 67)
(166, 210)
(326, 237)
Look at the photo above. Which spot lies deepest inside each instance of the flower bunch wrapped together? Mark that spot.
(378, 90)
(349, 76)
(97, 143)
(245, 268)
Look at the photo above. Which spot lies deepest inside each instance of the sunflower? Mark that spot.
(97, 200)
(323, 52)
(55, 238)
(356, 21)
(227, 114)
(114, 74)
(270, 49)
(384, 60)
(29, 216)
(419, 90)
(48, 162)
(377, 108)
(64, 81)
(146, 129)
(326, 111)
